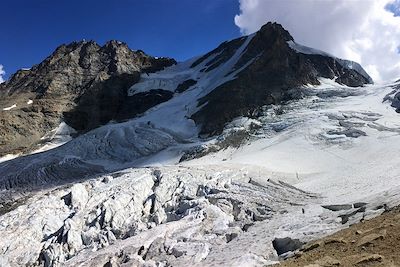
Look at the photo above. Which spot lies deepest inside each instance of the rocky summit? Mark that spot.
(273, 67)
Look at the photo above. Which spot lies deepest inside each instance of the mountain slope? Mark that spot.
(242, 75)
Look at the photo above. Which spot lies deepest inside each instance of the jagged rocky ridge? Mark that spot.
(82, 83)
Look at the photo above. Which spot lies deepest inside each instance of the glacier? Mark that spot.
(131, 200)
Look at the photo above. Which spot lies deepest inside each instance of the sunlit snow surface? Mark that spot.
(55, 138)
(10, 107)
(307, 145)
(173, 115)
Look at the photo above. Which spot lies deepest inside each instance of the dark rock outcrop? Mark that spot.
(140, 102)
(275, 69)
(394, 96)
(185, 85)
(83, 83)
(287, 244)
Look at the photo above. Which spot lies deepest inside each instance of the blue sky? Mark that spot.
(31, 30)
(394, 7)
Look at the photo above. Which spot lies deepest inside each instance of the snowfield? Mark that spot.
(10, 107)
(121, 194)
(340, 142)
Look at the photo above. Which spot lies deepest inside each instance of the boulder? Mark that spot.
(286, 244)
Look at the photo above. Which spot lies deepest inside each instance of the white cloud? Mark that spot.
(2, 72)
(360, 30)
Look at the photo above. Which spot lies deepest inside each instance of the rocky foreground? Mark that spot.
(374, 242)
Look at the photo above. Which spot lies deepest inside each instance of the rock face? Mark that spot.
(82, 83)
(284, 245)
(273, 70)
(394, 96)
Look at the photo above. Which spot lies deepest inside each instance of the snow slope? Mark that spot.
(10, 107)
(173, 115)
(57, 137)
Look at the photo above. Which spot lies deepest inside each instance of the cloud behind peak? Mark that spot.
(366, 31)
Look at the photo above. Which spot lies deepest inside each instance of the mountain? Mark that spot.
(269, 69)
(81, 83)
(86, 85)
(233, 158)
